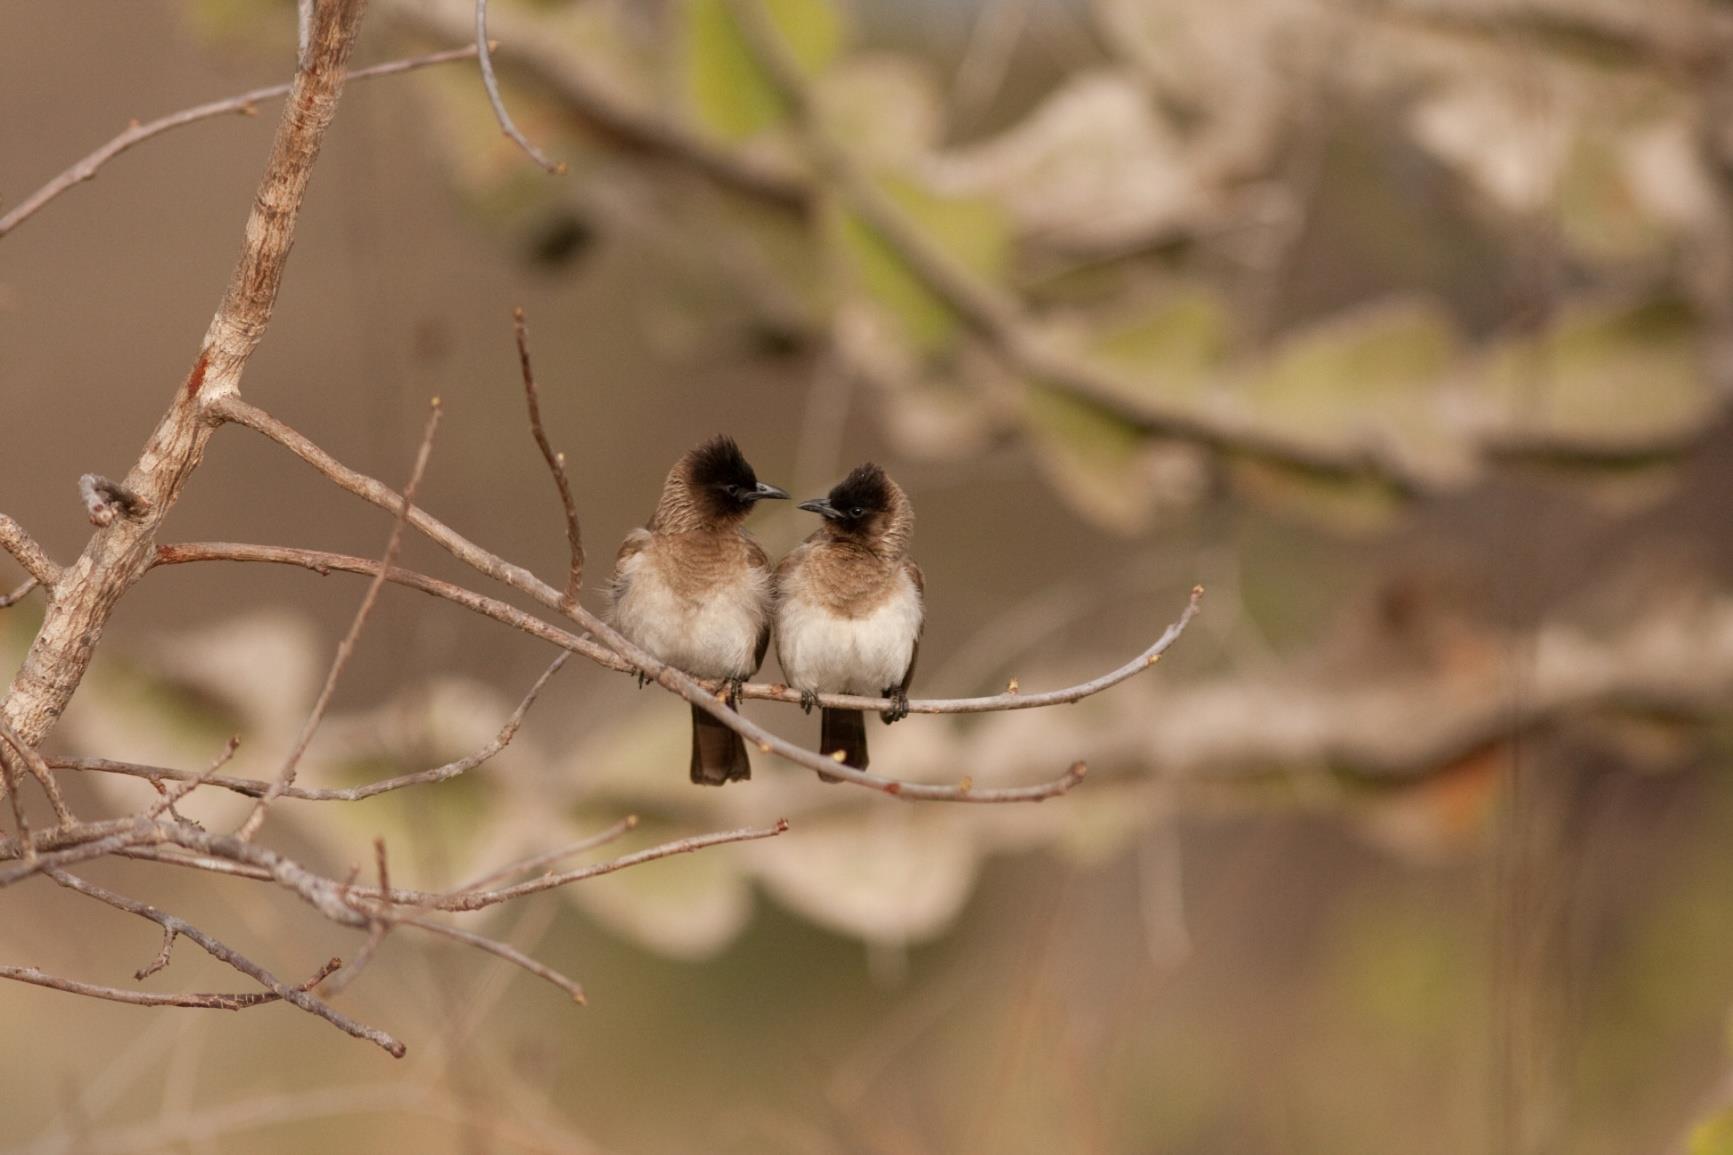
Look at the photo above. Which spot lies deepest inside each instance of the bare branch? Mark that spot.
(40, 771)
(522, 42)
(488, 79)
(7, 601)
(35, 560)
(219, 1002)
(556, 461)
(286, 778)
(219, 951)
(478, 899)
(118, 555)
(254, 788)
(244, 104)
(500, 949)
(547, 858)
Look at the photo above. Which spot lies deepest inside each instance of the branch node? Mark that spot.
(105, 500)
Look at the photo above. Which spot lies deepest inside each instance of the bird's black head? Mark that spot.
(860, 504)
(721, 479)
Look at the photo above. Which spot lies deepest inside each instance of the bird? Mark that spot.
(694, 589)
(850, 606)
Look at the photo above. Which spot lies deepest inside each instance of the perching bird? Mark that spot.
(694, 590)
(849, 607)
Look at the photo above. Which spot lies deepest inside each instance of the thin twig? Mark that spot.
(40, 771)
(286, 777)
(556, 461)
(494, 98)
(548, 857)
(478, 899)
(23, 548)
(500, 949)
(9, 783)
(378, 928)
(256, 788)
(7, 601)
(228, 1001)
(244, 104)
(219, 951)
(530, 45)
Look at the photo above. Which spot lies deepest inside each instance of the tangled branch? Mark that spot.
(127, 516)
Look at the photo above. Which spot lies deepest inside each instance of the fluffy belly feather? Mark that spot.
(835, 655)
(713, 637)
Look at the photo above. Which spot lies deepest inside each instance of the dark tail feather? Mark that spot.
(843, 730)
(718, 753)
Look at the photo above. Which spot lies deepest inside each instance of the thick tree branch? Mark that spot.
(117, 555)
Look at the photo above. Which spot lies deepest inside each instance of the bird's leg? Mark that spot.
(643, 678)
(734, 687)
(899, 704)
(808, 699)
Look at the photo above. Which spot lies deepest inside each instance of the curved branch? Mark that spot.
(323, 562)
(243, 104)
(491, 83)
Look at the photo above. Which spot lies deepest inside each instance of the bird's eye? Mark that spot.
(857, 511)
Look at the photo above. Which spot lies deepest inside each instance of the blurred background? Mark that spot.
(1403, 326)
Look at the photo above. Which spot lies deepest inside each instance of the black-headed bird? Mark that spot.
(695, 590)
(850, 607)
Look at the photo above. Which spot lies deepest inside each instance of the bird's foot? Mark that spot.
(734, 686)
(899, 704)
(643, 678)
(808, 699)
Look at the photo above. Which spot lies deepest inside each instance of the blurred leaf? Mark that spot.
(687, 906)
(1343, 504)
(971, 230)
(1177, 341)
(1599, 214)
(730, 94)
(887, 109)
(1090, 456)
(1095, 168)
(1618, 374)
(1713, 1136)
(1337, 377)
(892, 876)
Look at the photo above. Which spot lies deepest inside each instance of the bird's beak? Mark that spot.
(763, 491)
(822, 507)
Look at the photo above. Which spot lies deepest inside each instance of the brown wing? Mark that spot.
(915, 575)
(633, 544)
(758, 559)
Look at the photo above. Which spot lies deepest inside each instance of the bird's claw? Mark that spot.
(643, 678)
(808, 699)
(899, 704)
(734, 686)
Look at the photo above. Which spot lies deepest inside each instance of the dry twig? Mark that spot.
(491, 82)
(243, 104)
(556, 461)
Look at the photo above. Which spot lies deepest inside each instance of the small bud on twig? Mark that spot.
(104, 500)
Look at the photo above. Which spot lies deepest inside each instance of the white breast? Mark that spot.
(713, 635)
(828, 654)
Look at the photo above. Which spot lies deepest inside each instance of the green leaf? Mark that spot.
(729, 92)
(1090, 456)
(974, 231)
(1608, 375)
(1177, 341)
